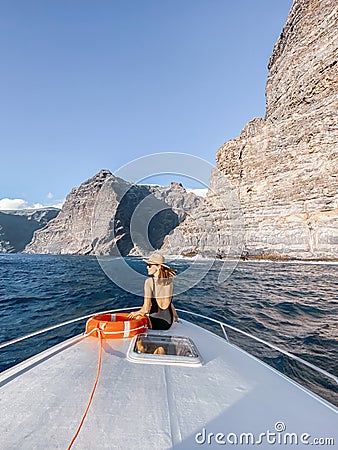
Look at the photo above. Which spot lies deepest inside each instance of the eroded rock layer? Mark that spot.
(107, 215)
(17, 227)
(284, 168)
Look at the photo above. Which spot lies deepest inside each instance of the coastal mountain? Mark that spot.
(284, 167)
(17, 227)
(273, 193)
(107, 215)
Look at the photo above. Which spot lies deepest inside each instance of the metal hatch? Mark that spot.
(163, 349)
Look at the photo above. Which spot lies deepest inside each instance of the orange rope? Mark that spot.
(92, 393)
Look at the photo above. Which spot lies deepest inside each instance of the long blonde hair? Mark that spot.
(166, 275)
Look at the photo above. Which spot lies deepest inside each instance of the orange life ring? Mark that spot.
(116, 326)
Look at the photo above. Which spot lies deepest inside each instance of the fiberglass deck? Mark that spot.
(142, 406)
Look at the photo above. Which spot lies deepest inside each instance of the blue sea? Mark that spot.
(292, 305)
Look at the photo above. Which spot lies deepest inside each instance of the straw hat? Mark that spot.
(156, 258)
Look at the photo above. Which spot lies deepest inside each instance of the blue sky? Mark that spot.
(87, 84)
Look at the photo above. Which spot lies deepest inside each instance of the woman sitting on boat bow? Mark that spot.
(158, 292)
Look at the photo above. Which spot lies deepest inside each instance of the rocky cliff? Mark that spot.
(284, 167)
(107, 215)
(17, 227)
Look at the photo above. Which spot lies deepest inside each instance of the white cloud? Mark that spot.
(58, 205)
(7, 204)
(40, 205)
(50, 195)
(12, 203)
(200, 192)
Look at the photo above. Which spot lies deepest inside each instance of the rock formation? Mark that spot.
(273, 193)
(107, 215)
(17, 227)
(284, 168)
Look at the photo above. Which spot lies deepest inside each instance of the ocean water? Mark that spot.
(293, 306)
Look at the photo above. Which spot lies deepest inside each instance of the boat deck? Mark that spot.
(142, 406)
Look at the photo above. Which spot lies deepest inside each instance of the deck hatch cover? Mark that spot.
(159, 348)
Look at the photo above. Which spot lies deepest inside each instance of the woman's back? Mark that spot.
(158, 293)
(161, 313)
(161, 289)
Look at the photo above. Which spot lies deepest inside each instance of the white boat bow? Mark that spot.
(230, 397)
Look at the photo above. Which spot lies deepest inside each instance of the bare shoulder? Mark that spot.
(148, 282)
(148, 286)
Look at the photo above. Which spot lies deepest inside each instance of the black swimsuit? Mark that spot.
(161, 319)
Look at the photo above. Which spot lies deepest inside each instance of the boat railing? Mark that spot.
(221, 324)
(59, 325)
(224, 325)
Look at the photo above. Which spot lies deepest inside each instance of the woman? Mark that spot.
(158, 292)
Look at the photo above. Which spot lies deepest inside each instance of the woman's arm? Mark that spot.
(174, 313)
(146, 306)
(146, 303)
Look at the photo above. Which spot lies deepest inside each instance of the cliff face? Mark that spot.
(70, 232)
(110, 216)
(17, 227)
(284, 168)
